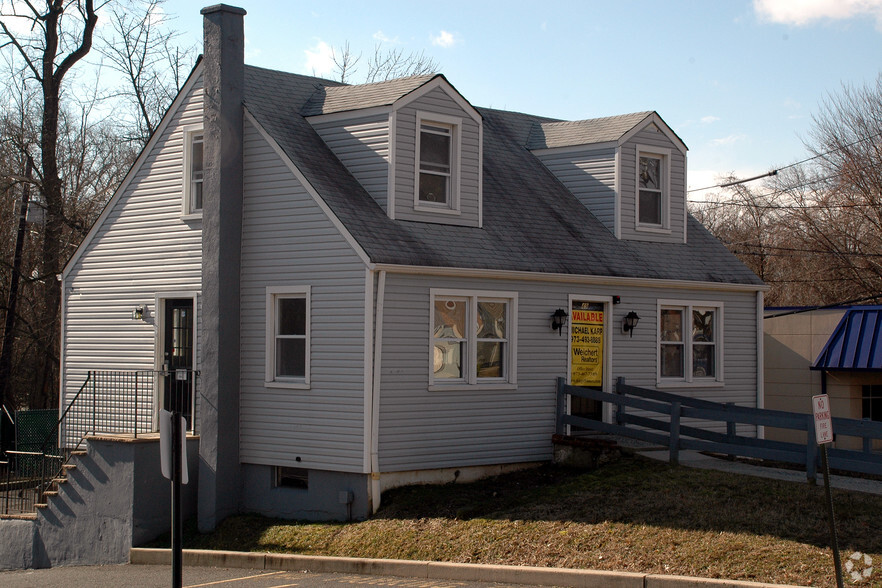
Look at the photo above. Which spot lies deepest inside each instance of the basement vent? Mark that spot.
(292, 477)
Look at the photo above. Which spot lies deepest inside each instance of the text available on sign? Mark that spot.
(586, 362)
(823, 419)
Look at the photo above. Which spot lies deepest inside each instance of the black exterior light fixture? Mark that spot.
(629, 321)
(138, 313)
(559, 320)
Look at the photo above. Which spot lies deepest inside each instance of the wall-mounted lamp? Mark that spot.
(138, 313)
(629, 321)
(559, 320)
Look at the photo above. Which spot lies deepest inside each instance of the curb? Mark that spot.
(432, 570)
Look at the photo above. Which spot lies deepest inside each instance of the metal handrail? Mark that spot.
(107, 401)
(57, 426)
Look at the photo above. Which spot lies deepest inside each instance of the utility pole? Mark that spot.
(11, 304)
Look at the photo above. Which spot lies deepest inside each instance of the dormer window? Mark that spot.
(434, 163)
(193, 172)
(437, 186)
(650, 190)
(653, 188)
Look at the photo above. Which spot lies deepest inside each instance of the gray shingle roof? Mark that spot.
(342, 98)
(583, 132)
(531, 221)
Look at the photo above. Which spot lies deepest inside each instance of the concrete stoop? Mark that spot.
(112, 498)
(585, 452)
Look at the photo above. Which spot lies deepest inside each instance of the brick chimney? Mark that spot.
(223, 80)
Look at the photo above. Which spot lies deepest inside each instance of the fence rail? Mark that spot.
(664, 425)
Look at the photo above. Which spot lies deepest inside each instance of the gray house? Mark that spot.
(379, 284)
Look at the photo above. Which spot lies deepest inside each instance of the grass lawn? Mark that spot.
(633, 515)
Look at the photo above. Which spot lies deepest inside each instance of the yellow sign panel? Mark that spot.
(586, 345)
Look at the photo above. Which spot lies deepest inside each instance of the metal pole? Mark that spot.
(837, 563)
(177, 550)
(135, 427)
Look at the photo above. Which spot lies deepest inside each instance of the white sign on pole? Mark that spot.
(823, 419)
(165, 446)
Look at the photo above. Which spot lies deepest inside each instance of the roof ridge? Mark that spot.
(641, 114)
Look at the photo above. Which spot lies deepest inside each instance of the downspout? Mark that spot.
(760, 359)
(375, 397)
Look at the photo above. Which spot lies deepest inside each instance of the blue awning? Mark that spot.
(856, 343)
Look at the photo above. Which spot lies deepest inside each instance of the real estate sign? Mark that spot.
(586, 344)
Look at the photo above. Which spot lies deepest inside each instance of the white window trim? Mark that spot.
(186, 212)
(272, 294)
(471, 380)
(665, 155)
(688, 380)
(455, 124)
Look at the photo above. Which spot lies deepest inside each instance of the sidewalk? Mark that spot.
(695, 459)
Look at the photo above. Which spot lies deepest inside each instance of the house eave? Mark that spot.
(565, 278)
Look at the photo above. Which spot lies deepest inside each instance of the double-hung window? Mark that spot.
(287, 336)
(437, 158)
(653, 188)
(193, 171)
(689, 342)
(472, 338)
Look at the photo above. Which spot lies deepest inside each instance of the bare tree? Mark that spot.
(383, 65)
(142, 47)
(837, 195)
(387, 64)
(824, 245)
(61, 33)
(345, 62)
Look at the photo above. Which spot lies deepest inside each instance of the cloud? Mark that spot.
(803, 12)
(444, 39)
(382, 38)
(320, 59)
(706, 120)
(729, 140)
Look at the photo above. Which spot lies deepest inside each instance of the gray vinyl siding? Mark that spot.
(287, 240)
(628, 186)
(436, 101)
(362, 145)
(141, 249)
(590, 176)
(421, 429)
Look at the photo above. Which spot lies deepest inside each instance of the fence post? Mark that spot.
(675, 433)
(730, 429)
(561, 407)
(811, 451)
(620, 408)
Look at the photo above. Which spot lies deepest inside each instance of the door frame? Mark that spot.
(159, 346)
(607, 382)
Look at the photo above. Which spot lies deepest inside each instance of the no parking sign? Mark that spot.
(823, 419)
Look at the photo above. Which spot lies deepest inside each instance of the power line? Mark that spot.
(796, 250)
(832, 305)
(774, 172)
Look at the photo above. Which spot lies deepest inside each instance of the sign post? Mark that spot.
(824, 436)
(172, 447)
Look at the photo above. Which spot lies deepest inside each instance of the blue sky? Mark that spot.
(737, 80)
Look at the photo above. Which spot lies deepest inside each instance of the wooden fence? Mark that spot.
(670, 420)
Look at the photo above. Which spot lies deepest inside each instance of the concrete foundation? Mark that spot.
(330, 496)
(114, 499)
